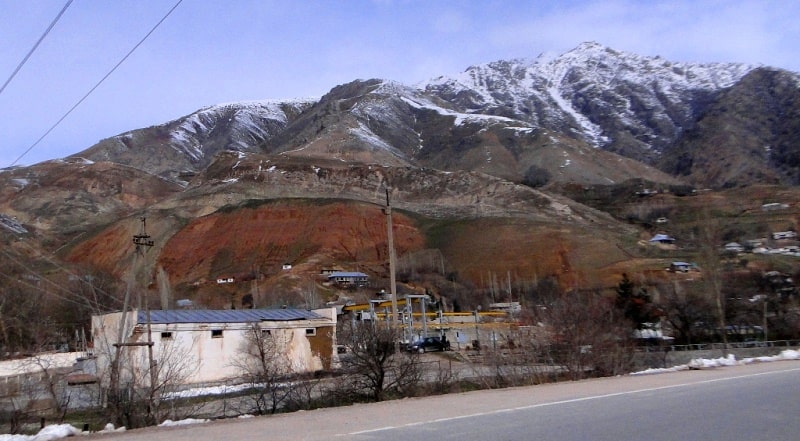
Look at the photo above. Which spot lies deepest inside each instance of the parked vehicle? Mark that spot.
(429, 344)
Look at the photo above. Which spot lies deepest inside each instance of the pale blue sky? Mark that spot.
(209, 52)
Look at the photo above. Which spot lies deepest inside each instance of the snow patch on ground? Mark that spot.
(170, 423)
(465, 118)
(730, 360)
(59, 431)
(53, 432)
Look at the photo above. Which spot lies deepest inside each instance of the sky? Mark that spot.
(210, 52)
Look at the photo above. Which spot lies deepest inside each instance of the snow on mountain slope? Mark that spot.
(593, 91)
(246, 122)
(632, 105)
(189, 143)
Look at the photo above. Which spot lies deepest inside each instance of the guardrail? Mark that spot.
(730, 345)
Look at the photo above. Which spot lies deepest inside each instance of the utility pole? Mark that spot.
(140, 241)
(392, 258)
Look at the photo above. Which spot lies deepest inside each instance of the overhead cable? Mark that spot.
(82, 301)
(60, 267)
(30, 52)
(96, 85)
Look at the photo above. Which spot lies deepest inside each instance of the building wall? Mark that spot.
(210, 352)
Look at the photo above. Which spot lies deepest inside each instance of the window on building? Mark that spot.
(311, 331)
(266, 332)
(166, 335)
(216, 333)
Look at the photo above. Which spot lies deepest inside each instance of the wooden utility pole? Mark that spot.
(392, 258)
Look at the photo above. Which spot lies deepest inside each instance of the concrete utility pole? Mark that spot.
(392, 258)
(141, 241)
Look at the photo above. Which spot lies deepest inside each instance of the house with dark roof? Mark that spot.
(348, 278)
(206, 344)
(662, 239)
(681, 267)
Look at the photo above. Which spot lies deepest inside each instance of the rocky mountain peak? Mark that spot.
(592, 96)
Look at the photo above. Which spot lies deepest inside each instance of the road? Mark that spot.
(757, 401)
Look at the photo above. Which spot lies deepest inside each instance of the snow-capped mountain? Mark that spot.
(506, 149)
(188, 144)
(590, 115)
(622, 102)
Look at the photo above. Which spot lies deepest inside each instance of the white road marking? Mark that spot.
(556, 403)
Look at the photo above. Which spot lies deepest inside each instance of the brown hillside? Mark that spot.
(265, 237)
(528, 251)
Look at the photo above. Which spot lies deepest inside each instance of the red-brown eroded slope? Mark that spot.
(234, 242)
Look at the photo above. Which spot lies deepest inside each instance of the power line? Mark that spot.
(82, 302)
(30, 52)
(96, 85)
(62, 268)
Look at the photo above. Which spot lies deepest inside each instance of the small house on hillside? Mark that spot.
(328, 270)
(681, 267)
(774, 206)
(348, 278)
(646, 192)
(662, 239)
(734, 247)
(784, 235)
(206, 343)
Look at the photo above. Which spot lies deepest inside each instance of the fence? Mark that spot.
(721, 346)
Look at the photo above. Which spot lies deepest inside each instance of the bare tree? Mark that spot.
(51, 384)
(304, 393)
(529, 359)
(685, 309)
(134, 387)
(586, 337)
(20, 322)
(372, 365)
(265, 366)
(709, 242)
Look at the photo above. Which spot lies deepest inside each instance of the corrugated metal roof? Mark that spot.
(346, 274)
(226, 315)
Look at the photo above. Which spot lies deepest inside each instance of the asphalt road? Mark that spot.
(753, 402)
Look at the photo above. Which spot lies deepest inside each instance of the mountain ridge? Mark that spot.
(487, 171)
(635, 106)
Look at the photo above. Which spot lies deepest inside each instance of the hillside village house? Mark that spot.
(681, 267)
(662, 239)
(330, 270)
(784, 235)
(348, 278)
(734, 247)
(208, 342)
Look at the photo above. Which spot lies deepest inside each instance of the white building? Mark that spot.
(784, 235)
(734, 247)
(205, 344)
